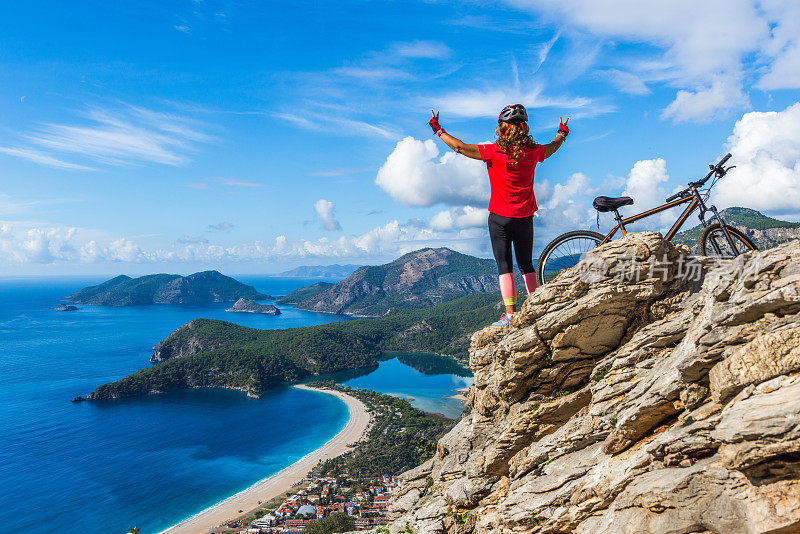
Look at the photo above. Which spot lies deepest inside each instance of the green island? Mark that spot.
(198, 288)
(212, 353)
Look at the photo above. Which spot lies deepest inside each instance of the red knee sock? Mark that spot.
(508, 289)
(530, 282)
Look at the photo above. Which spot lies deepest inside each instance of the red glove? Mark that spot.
(434, 123)
(563, 129)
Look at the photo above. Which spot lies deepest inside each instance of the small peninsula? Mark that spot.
(212, 353)
(244, 305)
(199, 288)
(299, 295)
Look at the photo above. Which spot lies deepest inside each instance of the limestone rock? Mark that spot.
(632, 394)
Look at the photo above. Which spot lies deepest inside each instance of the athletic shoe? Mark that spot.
(504, 319)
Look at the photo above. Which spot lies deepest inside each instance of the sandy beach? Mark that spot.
(282, 481)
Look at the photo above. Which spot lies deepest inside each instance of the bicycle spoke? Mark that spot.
(565, 255)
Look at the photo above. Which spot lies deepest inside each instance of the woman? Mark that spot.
(511, 162)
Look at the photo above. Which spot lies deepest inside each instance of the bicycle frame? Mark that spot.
(694, 200)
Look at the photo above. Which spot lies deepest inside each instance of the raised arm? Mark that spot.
(555, 144)
(471, 151)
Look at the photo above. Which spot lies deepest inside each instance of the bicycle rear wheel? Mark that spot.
(712, 242)
(564, 252)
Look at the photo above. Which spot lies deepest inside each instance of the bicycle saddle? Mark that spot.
(604, 204)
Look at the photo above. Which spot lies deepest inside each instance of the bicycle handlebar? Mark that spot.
(677, 195)
(715, 169)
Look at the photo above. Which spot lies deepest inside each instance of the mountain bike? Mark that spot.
(716, 239)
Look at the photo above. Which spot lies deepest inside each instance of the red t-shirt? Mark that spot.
(512, 185)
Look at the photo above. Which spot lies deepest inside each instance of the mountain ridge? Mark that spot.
(418, 279)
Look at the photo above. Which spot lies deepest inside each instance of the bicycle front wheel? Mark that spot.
(712, 242)
(564, 252)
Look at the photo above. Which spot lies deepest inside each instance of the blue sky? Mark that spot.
(256, 136)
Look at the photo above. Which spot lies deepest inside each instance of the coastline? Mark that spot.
(266, 489)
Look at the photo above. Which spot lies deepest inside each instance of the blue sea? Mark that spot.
(150, 462)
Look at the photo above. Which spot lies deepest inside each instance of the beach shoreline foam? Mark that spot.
(273, 486)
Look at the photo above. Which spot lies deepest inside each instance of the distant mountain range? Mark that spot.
(198, 288)
(419, 279)
(765, 232)
(321, 271)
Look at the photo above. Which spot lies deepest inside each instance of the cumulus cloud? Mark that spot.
(766, 151)
(22, 244)
(563, 206)
(325, 212)
(415, 175)
(706, 103)
(26, 244)
(645, 185)
(459, 218)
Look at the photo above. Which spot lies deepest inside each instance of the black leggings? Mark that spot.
(505, 231)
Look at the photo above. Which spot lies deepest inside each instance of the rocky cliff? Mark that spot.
(641, 392)
(418, 279)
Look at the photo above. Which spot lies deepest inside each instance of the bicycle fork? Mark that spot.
(713, 209)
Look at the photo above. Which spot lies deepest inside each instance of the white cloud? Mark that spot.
(422, 50)
(459, 218)
(325, 212)
(375, 74)
(20, 243)
(766, 151)
(706, 103)
(562, 207)
(126, 136)
(41, 158)
(415, 175)
(488, 103)
(711, 39)
(783, 49)
(645, 185)
(627, 82)
(339, 126)
(695, 45)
